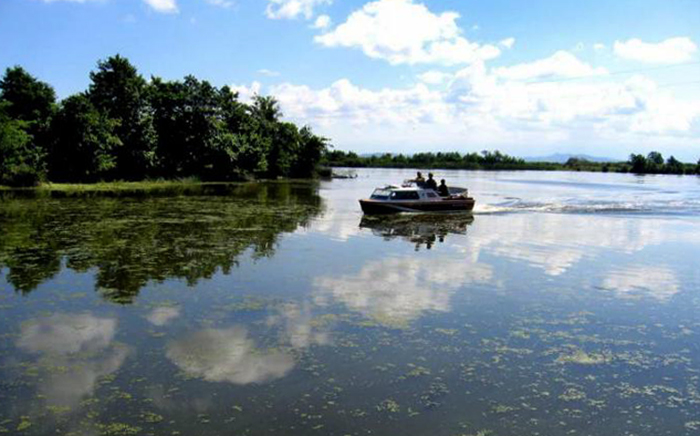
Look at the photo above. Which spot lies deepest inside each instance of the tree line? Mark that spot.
(653, 163)
(124, 127)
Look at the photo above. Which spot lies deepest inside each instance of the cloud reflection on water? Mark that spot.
(400, 289)
(658, 282)
(228, 355)
(79, 344)
(161, 316)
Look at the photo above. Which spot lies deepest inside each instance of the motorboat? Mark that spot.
(410, 197)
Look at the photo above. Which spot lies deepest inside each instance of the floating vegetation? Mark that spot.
(389, 406)
(580, 357)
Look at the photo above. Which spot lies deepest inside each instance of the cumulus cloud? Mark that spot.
(290, 9)
(669, 51)
(164, 6)
(228, 355)
(507, 43)
(406, 32)
(560, 64)
(555, 100)
(434, 77)
(322, 22)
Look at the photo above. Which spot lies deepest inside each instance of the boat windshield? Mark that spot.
(381, 194)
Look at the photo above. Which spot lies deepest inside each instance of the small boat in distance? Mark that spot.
(411, 198)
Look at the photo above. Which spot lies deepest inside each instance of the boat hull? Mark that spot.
(375, 207)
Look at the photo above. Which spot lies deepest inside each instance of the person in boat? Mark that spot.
(419, 180)
(431, 183)
(443, 190)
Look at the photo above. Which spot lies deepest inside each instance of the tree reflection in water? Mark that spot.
(133, 238)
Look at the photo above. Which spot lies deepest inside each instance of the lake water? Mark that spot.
(566, 304)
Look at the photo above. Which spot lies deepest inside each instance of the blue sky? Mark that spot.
(528, 78)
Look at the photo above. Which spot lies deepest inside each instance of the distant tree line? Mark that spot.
(449, 160)
(124, 127)
(653, 163)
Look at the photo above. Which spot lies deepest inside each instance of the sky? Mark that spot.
(606, 78)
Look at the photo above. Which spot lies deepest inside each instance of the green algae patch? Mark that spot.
(389, 406)
(118, 429)
(580, 357)
(24, 423)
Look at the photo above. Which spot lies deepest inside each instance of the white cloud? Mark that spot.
(507, 43)
(434, 77)
(268, 73)
(290, 9)
(322, 22)
(405, 32)
(222, 3)
(496, 108)
(669, 51)
(164, 6)
(561, 64)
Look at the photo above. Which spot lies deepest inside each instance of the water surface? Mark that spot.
(566, 304)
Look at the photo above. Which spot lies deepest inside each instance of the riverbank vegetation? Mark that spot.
(653, 163)
(124, 127)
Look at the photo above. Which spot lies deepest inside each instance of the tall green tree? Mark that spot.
(120, 92)
(30, 99)
(28, 105)
(85, 146)
(311, 147)
(21, 163)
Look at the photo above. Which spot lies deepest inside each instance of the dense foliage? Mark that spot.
(486, 160)
(126, 128)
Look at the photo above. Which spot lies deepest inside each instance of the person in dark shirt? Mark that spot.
(443, 190)
(431, 183)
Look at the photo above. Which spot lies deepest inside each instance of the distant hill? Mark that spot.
(563, 157)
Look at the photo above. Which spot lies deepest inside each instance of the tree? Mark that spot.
(311, 148)
(655, 162)
(20, 161)
(638, 163)
(674, 166)
(30, 99)
(85, 145)
(27, 106)
(266, 108)
(118, 91)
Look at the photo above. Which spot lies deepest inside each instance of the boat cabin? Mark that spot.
(404, 193)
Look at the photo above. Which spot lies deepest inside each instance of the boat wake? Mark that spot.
(665, 208)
